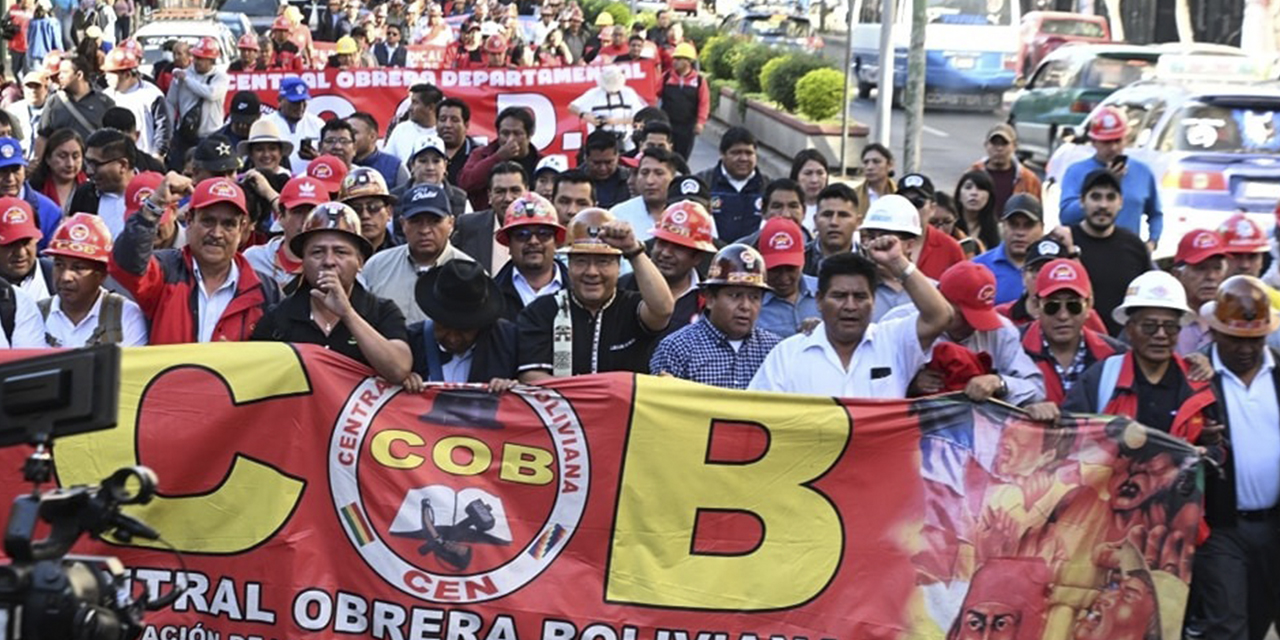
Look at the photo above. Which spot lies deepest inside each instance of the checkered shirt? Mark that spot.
(702, 353)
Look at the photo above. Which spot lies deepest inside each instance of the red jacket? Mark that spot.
(163, 283)
(1099, 345)
(938, 252)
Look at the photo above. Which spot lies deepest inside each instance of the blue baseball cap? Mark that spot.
(425, 198)
(11, 153)
(294, 89)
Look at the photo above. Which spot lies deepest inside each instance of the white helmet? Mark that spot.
(893, 213)
(1158, 289)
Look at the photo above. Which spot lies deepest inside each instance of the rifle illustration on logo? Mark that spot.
(448, 522)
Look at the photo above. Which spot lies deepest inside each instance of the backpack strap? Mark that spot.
(8, 310)
(110, 328)
(45, 306)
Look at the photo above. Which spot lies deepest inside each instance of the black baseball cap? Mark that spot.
(1043, 250)
(918, 183)
(1025, 204)
(1100, 177)
(690, 188)
(245, 107)
(216, 153)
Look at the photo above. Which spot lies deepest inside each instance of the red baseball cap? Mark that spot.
(17, 222)
(972, 287)
(329, 170)
(781, 243)
(300, 190)
(1063, 275)
(140, 188)
(215, 190)
(1199, 245)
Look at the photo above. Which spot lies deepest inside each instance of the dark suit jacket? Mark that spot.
(508, 288)
(397, 59)
(327, 31)
(473, 235)
(494, 357)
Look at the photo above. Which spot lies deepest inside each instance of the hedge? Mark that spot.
(819, 92)
(781, 87)
(699, 34)
(769, 68)
(749, 64)
(714, 56)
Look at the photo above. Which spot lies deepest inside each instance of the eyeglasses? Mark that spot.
(368, 207)
(524, 234)
(91, 164)
(337, 142)
(1150, 328)
(1075, 306)
(917, 201)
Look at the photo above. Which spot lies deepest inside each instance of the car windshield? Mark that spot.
(1226, 128)
(975, 12)
(252, 7)
(775, 27)
(1113, 73)
(1078, 28)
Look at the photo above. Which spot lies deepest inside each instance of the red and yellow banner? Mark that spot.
(314, 501)
(383, 92)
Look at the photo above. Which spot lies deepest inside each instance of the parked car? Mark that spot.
(1213, 147)
(1067, 85)
(775, 28)
(259, 13)
(1045, 31)
(187, 25)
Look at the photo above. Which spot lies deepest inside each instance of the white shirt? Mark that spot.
(34, 284)
(1255, 433)
(111, 210)
(635, 213)
(809, 364)
(308, 127)
(140, 100)
(28, 325)
(402, 139)
(458, 368)
(212, 305)
(526, 291)
(73, 336)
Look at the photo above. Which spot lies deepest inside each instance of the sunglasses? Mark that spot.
(524, 234)
(370, 207)
(917, 201)
(1075, 306)
(1150, 328)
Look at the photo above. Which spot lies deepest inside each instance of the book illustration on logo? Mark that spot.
(448, 522)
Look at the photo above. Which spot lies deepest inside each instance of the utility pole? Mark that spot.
(848, 70)
(912, 139)
(884, 92)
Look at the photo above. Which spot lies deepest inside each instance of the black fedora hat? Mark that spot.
(459, 295)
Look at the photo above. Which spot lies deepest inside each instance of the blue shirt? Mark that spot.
(783, 317)
(47, 211)
(386, 164)
(702, 353)
(1138, 187)
(1008, 275)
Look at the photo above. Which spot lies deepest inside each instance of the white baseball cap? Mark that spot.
(557, 162)
(430, 142)
(1158, 289)
(893, 213)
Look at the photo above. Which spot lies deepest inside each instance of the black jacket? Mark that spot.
(494, 356)
(506, 284)
(473, 235)
(397, 59)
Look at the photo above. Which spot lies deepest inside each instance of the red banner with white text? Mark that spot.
(383, 92)
(313, 501)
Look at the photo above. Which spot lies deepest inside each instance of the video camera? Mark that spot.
(44, 593)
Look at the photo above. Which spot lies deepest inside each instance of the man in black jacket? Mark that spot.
(474, 232)
(531, 232)
(391, 51)
(465, 338)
